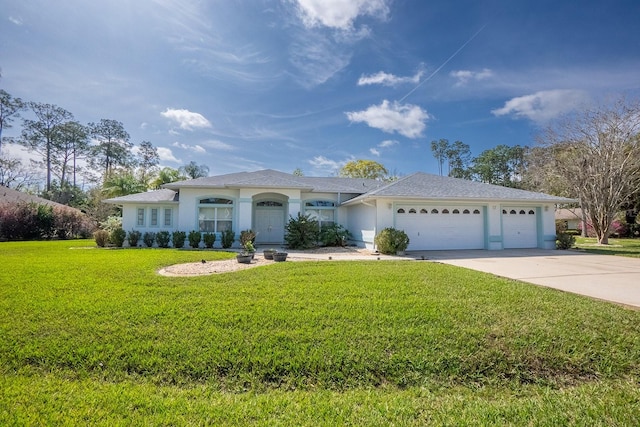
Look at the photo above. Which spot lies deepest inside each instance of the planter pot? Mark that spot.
(280, 256)
(268, 253)
(244, 258)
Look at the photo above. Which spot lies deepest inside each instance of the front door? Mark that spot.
(269, 225)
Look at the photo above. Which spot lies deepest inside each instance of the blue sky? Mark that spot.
(242, 85)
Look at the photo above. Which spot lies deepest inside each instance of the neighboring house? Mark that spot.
(11, 196)
(572, 217)
(436, 212)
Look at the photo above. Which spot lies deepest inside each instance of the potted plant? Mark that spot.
(280, 256)
(268, 253)
(244, 257)
(249, 248)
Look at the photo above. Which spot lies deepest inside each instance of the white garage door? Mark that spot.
(441, 227)
(519, 228)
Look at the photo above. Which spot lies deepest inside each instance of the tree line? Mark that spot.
(591, 155)
(101, 153)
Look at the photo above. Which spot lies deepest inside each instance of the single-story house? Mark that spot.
(436, 212)
(572, 217)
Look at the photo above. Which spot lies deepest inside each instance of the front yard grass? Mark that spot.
(623, 247)
(94, 336)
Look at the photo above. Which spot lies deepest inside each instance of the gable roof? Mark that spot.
(163, 195)
(270, 178)
(10, 196)
(416, 186)
(421, 185)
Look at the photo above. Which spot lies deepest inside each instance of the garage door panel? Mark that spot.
(519, 228)
(429, 230)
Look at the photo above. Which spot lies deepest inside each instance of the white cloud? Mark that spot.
(195, 148)
(544, 105)
(464, 76)
(327, 166)
(186, 119)
(166, 154)
(408, 120)
(388, 143)
(219, 145)
(386, 79)
(339, 14)
(16, 21)
(317, 58)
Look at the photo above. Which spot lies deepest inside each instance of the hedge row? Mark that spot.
(32, 221)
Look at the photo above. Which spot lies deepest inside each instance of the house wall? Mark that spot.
(361, 223)
(130, 217)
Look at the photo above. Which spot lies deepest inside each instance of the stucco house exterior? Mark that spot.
(436, 212)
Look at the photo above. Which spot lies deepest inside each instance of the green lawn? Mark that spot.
(623, 247)
(94, 336)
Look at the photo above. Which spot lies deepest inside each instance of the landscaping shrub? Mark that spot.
(301, 232)
(194, 239)
(334, 235)
(101, 237)
(148, 238)
(45, 221)
(70, 223)
(391, 241)
(178, 238)
(133, 238)
(209, 239)
(226, 238)
(565, 241)
(111, 223)
(163, 238)
(117, 237)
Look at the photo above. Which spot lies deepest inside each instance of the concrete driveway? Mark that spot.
(606, 277)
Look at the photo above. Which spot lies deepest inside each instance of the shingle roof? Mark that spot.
(416, 186)
(157, 196)
(427, 186)
(9, 195)
(270, 178)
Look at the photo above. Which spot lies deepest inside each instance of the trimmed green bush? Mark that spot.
(391, 241)
(178, 238)
(101, 237)
(227, 237)
(148, 238)
(334, 235)
(565, 241)
(194, 239)
(209, 239)
(133, 237)
(163, 238)
(302, 232)
(117, 237)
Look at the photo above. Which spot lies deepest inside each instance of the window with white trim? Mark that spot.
(322, 211)
(154, 217)
(168, 217)
(215, 215)
(140, 217)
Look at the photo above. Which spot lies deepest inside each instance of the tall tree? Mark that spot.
(41, 135)
(10, 108)
(458, 157)
(598, 154)
(113, 147)
(193, 170)
(14, 175)
(148, 160)
(439, 150)
(364, 169)
(501, 165)
(72, 144)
